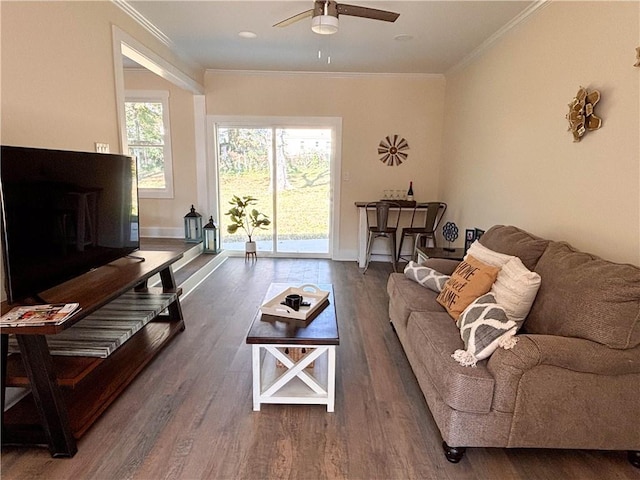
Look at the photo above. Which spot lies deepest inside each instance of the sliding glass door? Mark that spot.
(288, 170)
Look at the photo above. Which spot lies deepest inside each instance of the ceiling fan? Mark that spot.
(324, 15)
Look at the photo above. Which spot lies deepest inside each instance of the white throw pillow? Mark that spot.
(484, 326)
(515, 289)
(425, 276)
(488, 256)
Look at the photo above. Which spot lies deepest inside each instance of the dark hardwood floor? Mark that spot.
(189, 413)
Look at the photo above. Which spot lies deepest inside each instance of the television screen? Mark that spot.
(63, 214)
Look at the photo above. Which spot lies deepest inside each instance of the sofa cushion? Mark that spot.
(484, 326)
(446, 266)
(584, 296)
(425, 276)
(515, 289)
(433, 337)
(488, 256)
(513, 241)
(406, 296)
(471, 279)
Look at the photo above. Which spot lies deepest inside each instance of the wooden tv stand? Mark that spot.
(68, 394)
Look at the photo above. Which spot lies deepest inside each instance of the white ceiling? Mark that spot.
(443, 34)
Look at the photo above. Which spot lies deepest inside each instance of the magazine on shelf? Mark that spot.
(35, 315)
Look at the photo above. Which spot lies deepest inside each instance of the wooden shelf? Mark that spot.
(84, 387)
(99, 383)
(71, 370)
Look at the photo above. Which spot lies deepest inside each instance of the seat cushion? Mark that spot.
(432, 338)
(406, 296)
(584, 296)
(513, 241)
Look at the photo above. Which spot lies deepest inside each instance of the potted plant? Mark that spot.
(241, 216)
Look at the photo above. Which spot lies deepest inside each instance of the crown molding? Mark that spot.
(279, 73)
(488, 43)
(155, 32)
(142, 20)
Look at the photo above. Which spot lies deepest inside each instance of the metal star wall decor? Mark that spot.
(392, 150)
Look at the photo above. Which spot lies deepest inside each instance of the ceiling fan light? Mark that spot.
(324, 24)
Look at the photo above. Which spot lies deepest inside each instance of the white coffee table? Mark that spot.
(280, 377)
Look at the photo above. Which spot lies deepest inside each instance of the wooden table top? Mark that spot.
(269, 329)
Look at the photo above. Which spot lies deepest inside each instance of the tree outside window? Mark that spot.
(149, 141)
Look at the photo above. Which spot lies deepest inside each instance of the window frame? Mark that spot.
(333, 123)
(155, 96)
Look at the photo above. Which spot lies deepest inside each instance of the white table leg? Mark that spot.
(257, 371)
(331, 378)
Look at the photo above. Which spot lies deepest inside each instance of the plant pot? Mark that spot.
(250, 247)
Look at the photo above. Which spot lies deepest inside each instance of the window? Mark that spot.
(149, 141)
(289, 164)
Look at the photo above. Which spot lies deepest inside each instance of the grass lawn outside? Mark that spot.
(303, 205)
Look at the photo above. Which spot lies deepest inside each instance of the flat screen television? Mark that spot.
(63, 214)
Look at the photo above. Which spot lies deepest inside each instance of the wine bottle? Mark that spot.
(410, 192)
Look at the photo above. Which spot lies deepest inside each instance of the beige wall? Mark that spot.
(371, 107)
(507, 155)
(58, 87)
(161, 217)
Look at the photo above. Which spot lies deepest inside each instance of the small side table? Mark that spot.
(432, 252)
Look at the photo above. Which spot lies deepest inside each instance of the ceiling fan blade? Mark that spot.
(295, 18)
(366, 12)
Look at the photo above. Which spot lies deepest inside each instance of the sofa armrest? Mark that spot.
(571, 354)
(575, 354)
(445, 266)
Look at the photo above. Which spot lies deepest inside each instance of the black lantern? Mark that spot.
(193, 226)
(210, 237)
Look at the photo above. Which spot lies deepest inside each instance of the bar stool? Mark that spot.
(382, 228)
(435, 212)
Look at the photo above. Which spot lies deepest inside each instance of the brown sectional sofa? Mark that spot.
(571, 381)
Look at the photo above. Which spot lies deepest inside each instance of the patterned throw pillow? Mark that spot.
(425, 276)
(484, 326)
(470, 279)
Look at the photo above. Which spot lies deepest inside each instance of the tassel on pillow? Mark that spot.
(464, 358)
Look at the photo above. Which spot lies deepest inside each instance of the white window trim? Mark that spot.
(161, 96)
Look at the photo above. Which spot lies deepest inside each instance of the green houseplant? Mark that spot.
(241, 216)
